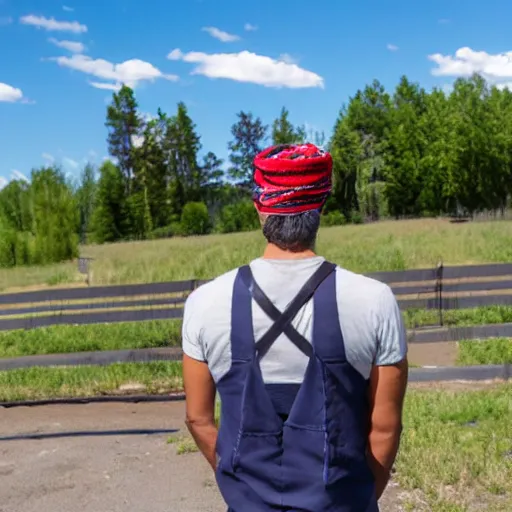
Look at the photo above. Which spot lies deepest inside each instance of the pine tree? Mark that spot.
(283, 132)
(249, 134)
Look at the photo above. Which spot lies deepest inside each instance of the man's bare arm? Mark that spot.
(200, 404)
(387, 390)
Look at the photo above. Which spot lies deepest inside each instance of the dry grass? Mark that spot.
(386, 245)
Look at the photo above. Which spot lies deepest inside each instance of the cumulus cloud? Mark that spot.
(17, 175)
(225, 37)
(392, 47)
(72, 46)
(248, 27)
(3, 182)
(496, 68)
(249, 67)
(49, 159)
(106, 86)
(10, 94)
(67, 9)
(129, 72)
(70, 163)
(287, 58)
(51, 24)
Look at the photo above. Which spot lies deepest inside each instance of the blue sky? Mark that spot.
(60, 60)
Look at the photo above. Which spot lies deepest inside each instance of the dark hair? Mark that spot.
(294, 233)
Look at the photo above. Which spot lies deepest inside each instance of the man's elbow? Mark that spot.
(197, 422)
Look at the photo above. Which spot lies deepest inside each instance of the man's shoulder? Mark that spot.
(347, 278)
(363, 292)
(211, 292)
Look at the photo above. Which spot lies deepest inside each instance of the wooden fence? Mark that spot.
(440, 289)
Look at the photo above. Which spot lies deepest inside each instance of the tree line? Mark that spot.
(408, 153)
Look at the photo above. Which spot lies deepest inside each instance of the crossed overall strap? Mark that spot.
(282, 321)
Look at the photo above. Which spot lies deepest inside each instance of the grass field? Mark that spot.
(456, 450)
(62, 339)
(63, 382)
(164, 377)
(386, 245)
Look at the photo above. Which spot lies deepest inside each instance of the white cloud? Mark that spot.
(17, 175)
(3, 182)
(443, 21)
(225, 37)
(250, 28)
(50, 159)
(249, 67)
(392, 47)
(496, 68)
(67, 9)
(10, 94)
(5, 20)
(106, 86)
(69, 162)
(51, 24)
(72, 46)
(129, 72)
(287, 58)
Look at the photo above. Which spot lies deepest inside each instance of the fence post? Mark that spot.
(439, 288)
(84, 267)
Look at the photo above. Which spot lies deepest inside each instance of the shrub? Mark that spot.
(195, 219)
(333, 218)
(240, 216)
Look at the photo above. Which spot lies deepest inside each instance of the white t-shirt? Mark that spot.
(369, 316)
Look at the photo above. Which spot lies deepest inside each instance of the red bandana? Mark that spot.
(291, 179)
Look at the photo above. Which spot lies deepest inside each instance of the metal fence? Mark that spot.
(437, 289)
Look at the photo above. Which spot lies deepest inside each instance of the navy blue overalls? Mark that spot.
(286, 447)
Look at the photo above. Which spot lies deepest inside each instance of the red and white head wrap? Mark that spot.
(291, 179)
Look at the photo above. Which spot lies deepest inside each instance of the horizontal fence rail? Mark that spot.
(440, 289)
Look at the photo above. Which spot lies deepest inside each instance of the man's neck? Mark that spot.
(272, 252)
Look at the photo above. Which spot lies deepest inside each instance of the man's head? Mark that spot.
(291, 185)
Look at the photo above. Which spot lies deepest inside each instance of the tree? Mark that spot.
(85, 197)
(110, 221)
(283, 132)
(55, 217)
(124, 124)
(249, 134)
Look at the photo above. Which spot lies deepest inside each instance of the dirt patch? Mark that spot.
(433, 354)
(108, 473)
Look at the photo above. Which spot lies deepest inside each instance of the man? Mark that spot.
(309, 361)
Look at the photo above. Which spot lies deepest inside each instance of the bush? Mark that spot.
(333, 218)
(195, 219)
(357, 218)
(173, 229)
(241, 216)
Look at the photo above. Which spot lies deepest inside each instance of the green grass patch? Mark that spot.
(64, 382)
(62, 339)
(389, 245)
(457, 449)
(492, 351)
(459, 317)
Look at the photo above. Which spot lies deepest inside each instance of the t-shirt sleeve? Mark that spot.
(391, 336)
(191, 334)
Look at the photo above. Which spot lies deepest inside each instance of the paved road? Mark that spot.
(64, 472)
